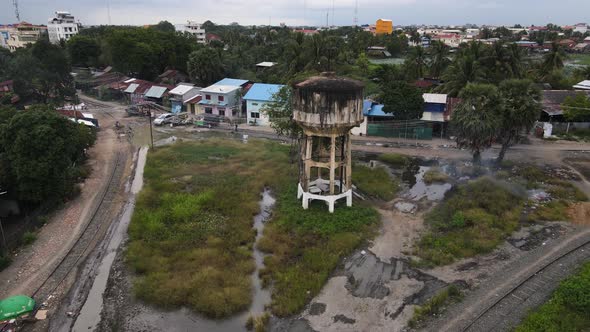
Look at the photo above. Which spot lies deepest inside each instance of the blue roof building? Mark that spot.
(232, 82)
(259, 95)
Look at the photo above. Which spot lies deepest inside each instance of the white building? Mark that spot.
(581, 28)
(196, 29)
(62, 27)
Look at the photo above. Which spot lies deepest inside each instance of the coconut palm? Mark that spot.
(475, 120)
(554, 59)
(583, 73)
(464, 70)
(416, 62)
(521, 109)
(439, 58)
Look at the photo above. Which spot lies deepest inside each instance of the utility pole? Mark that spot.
(15, 3)
(356, 13)
(109, 11)
(5, 245)
(151, 133)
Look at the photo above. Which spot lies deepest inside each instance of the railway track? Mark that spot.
(87, 237)
(497, 315)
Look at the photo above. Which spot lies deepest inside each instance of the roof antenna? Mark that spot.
(109, 11)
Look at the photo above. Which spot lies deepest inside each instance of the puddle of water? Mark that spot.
(89, 316)
(432, 192)
(185, 320)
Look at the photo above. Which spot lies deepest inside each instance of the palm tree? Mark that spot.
(554, 59)
(439, 54)
(416, 62)
(522, 108)
(475, 120)
(464, 70)
(583, 73)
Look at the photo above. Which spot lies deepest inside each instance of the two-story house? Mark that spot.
(223, 98)
(259, 96)
(181, 97)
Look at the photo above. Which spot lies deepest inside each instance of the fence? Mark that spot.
(400, 129)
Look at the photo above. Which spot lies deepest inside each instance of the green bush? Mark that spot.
(376, 182)
(28, 238)
(568, 308)
(474, 219)
(435, 176)
(435, 305)
(394, 159)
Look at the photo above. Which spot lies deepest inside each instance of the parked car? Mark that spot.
(163, 119)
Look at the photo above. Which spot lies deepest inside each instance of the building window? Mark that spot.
(222, 111)
(255, 115)
(208, 110)
(208, 97)
(254, 104)
(221, 98)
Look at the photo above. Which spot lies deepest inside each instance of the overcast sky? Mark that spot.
(311, 12)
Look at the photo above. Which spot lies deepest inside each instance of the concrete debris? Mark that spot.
(41, 315)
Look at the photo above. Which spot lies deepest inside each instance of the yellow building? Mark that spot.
(383, 26)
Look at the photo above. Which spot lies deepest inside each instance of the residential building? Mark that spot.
(587, 40)
(449, 39)
(156, 93)
(223, 98)
(19, 35)
(434, 107)
(383, 26)
(62, 27)
(553, 99)
(259, 96)
(581, 28)
(582, 48)
(196, 30)
(182, 96)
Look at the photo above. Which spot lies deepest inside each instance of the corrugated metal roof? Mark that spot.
(231, 82)
(584, 85)
(262, 91)
(373, 109)
(131, 88)
(219, 88)
(156, 92)
(181, 89)
(436, 98)
(266, 64)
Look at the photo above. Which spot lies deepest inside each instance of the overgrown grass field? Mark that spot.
(191, 236)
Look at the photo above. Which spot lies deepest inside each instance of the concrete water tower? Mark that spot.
(327, 108)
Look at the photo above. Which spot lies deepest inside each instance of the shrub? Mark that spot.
(376, 182)
(28, 238)
(395, 159)
(474, 219)
(435, 305)
(435, 176)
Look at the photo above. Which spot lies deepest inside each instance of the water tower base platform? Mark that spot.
(314, 193)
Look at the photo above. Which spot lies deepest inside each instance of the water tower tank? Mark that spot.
(328, 104)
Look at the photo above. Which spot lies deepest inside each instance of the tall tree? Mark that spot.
(164, 26)
(439, 54)
(475, 120)
(84, 50)
(464, 70)
(205, 66)
(554, 59)
(416, 62)
(577, 108)
(522, 107)
(41, 151)
(402, 100)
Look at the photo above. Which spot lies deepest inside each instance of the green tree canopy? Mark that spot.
(84, 51)
(475, 120)
(522, 107)
(164, 26)
(403, 100)
(205, 66)
(41, 152)
(577, 108)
